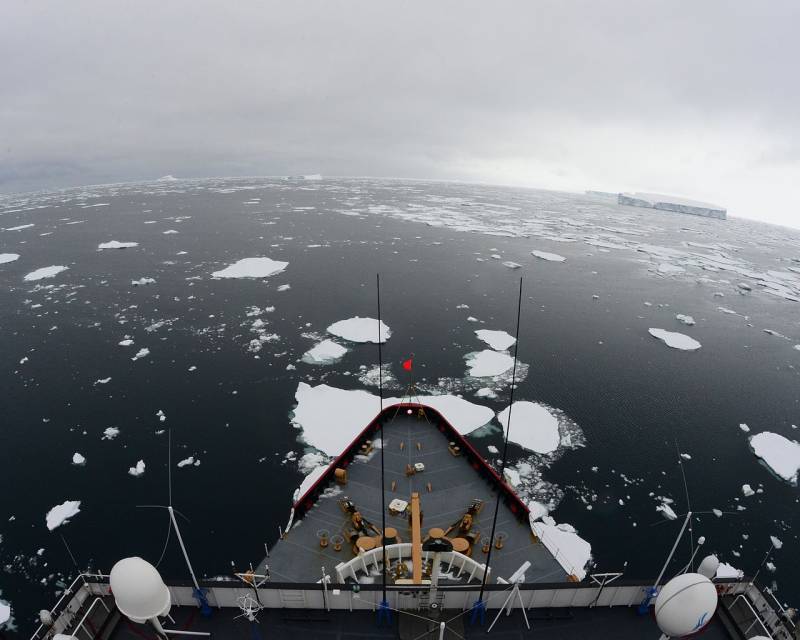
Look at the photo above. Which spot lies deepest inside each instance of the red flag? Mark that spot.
(407, 364)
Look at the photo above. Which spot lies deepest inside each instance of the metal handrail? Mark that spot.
(69, 591)
(782, 609)
(755, 615)
(86, 615)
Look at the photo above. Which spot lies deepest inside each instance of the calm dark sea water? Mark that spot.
(592, 358)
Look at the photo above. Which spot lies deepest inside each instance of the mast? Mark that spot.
(479, 608)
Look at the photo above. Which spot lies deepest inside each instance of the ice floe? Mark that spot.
(251, 268)
(487, 363)
(60, 514)
(141, 353)
(116, 244)
(330, 417)
(78, 460)
(550, 257)
(8, 257)
(497, 340)
(533, 427)
(747, 491)
(571, 551)
(360, 330)
(326, 352)
(142, 281)
(727, 571)
(45, 272)
(687, 320)
(675, 340)
(19, 228)
(5, 612)
(191, 461)
(110, 433)
(780, 454)
(137, 470)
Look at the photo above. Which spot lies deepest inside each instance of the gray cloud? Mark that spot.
(698, 99)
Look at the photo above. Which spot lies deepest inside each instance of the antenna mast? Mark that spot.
(479, 608)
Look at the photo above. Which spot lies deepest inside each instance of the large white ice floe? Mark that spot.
(61, 513)
(550, 257)
(533, 427)
(675, 340)
(326, 352)
(45, 272)
(330, 418)
(116, 244)
(497, 340)
(252, 268)
(780, 454)
(487, 363)
(571, 551)
(8, 257)
(360, 330)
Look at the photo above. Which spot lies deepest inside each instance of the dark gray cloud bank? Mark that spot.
(693, 98)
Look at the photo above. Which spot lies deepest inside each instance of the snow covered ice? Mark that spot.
(780, 454)
(572, 552)
(533, 427)
(675, 340)
(251, 268)
(78, 460)
(326, 352)
(60, 514)
(45, 272)
(497, 340)
(8, 257)
(116, 244)
(360, 330)
(487, 363)
(549, 257)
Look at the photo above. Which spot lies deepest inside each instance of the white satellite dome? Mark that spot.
(138, 590)
(708, 567)
(685, 604)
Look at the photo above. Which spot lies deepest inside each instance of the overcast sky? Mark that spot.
(699, 99)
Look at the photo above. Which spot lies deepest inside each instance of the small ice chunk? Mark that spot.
(675, 340)
(666, 511)
(127, 342)
(142, 353)
(78, 460)
(45, 272)
(103, 380)
(251, 268)
(137, 470)
(725, 570)
(187, 462)
(686, 456)
(485, 392)
(60, 514)
(492, 449)
(116, 244)
(142, 281)
(744, 427)
(537, 510)
(162, 417)
(284, 287)
(747, 491)
(717, 513)
(550, 257)
(511, 265)
(776, 542)
(497, 340)
(360, 330)
(687, 320)
(110, 433)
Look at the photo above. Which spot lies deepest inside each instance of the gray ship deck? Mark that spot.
(455, 484)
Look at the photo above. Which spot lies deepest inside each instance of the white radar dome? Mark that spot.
(138, 590)
(708, 567)
(685, 604)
